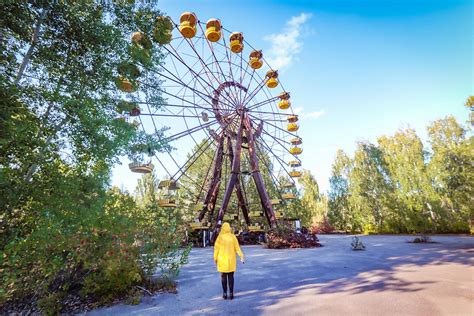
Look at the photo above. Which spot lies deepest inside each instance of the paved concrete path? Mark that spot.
(391, 277)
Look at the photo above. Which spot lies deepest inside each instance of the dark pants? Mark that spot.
(230, 278)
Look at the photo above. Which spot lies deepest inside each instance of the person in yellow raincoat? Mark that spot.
(225, 249)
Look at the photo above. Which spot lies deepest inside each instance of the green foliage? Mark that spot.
(62, 229)
(310, 206)
(340, 210)
(163, 232)
(162, 33)
(397, 186)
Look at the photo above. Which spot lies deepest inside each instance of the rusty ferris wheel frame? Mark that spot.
(219, 94)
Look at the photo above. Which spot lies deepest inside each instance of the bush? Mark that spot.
(323, 227)
(422, 239)
(370, 228)
(97, 257)
(251, 238)
(284, 237)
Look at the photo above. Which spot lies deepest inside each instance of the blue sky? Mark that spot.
(356, 70)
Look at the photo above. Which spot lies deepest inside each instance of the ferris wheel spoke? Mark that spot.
(248, 85)
(197, 75)
(262, 103)
(268, 117)
(172, 105)
(182, 39)
(277, 127)
(259, 85)
(168, 151)
(240, 79)
(206, 178)
(230, 64)
(227, 59)
(173, 115)
(250, 96)
(190, 55)
(275, 181)
(179, 98)
(164, 168)
(202, 63)
(185, 74)
(226, 108)
(281, 162)
(279, 142)
(188, 71)
(162, 165)
(271, 113)
(188, 131)
(179, 81)
(188, 163)
(191, 135)
(276, 138)
(211, 48)
(156, 130)
(242, 75)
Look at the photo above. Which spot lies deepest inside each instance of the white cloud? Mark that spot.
(313, 115)
(287, 44)
(297, 110)
(308, 116)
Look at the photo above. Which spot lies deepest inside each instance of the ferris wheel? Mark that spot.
(222, 99)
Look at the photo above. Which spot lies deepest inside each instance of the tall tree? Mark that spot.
(416, 199)
(340, 210)
(60, 138)
(452, 172)
(370, 187)
(58, 91)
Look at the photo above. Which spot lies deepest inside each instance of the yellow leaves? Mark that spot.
(136, 277)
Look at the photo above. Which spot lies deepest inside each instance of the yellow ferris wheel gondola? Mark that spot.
(296, 150)
(284, 102)
(294, 164)
(275, 201)
(292, 127)
(169, 184)
(236, 42)
(213, 30)
(296, 141)
(187, 24)
(288, 196)
(295, 174)
(256, 59)
(167, 203)
(272, 76)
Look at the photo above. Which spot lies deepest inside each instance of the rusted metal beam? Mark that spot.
(234, 174)
(238, 188)
(211, 195)
(235, 170)
(257, 177)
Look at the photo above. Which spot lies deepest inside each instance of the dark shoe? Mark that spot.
(231, 296)
(224, 296)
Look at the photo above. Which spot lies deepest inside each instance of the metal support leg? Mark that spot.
(257, 177)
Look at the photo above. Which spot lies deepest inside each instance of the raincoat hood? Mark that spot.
(225, 228)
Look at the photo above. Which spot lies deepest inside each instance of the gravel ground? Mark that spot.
(391, 277)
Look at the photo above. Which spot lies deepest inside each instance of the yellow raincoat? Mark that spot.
(225, 248)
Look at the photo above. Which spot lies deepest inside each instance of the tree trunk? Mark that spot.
(34, 41)
(34, 166)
